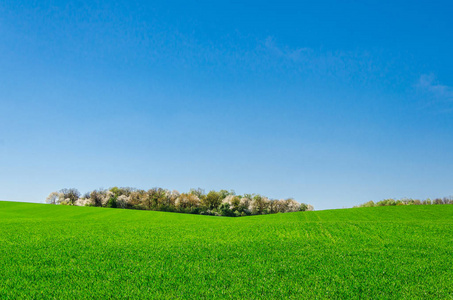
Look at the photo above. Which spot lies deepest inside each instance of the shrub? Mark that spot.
(409, 201)
(70, 195)
(224, 210)
(222, 203)
(368, 204)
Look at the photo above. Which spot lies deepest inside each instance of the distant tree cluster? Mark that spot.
(196, 201)
(408, 201)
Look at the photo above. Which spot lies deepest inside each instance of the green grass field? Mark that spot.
(62, 252)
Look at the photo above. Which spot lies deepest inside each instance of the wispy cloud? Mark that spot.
(322, 62)
(434, 93)
(428, 83)
(286, 52)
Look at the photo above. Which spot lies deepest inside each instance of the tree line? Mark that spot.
(196, 201)
(408, 201)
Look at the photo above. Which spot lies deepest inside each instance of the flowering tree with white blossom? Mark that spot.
(221, 203)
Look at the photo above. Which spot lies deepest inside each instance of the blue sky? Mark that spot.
(334, 103)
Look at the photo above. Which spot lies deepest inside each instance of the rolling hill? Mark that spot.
(51, 251)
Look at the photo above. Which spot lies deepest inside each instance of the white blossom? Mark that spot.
(122, 201)
(107, 196)
(245, 203)
(53, 198)
(292, 205)
(82, 201)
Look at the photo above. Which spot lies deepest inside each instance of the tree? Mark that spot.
(156, 198)
(303, 207)
(224, 210)
(224, 193)
(223, 202)
(259, 204)
(116, 191)
(54, 198)
(110, 200)
(368, 204)
(170, 200)
(96, 198)
(233, 201)
(199, 192)
(244, 205)
(122, 201)
(212, 200)
(187, 202)
(273, 206)
(437, 201)
(137, 199)
(292, 205)
(70, 195)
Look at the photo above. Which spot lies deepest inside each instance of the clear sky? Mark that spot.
(334, 103)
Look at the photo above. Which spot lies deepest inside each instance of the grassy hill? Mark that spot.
(60, 252)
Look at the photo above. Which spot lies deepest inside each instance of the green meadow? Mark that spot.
(68, 252)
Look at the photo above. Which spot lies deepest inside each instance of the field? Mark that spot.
(60, 252)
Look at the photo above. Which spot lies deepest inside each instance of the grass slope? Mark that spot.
(85, 252)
